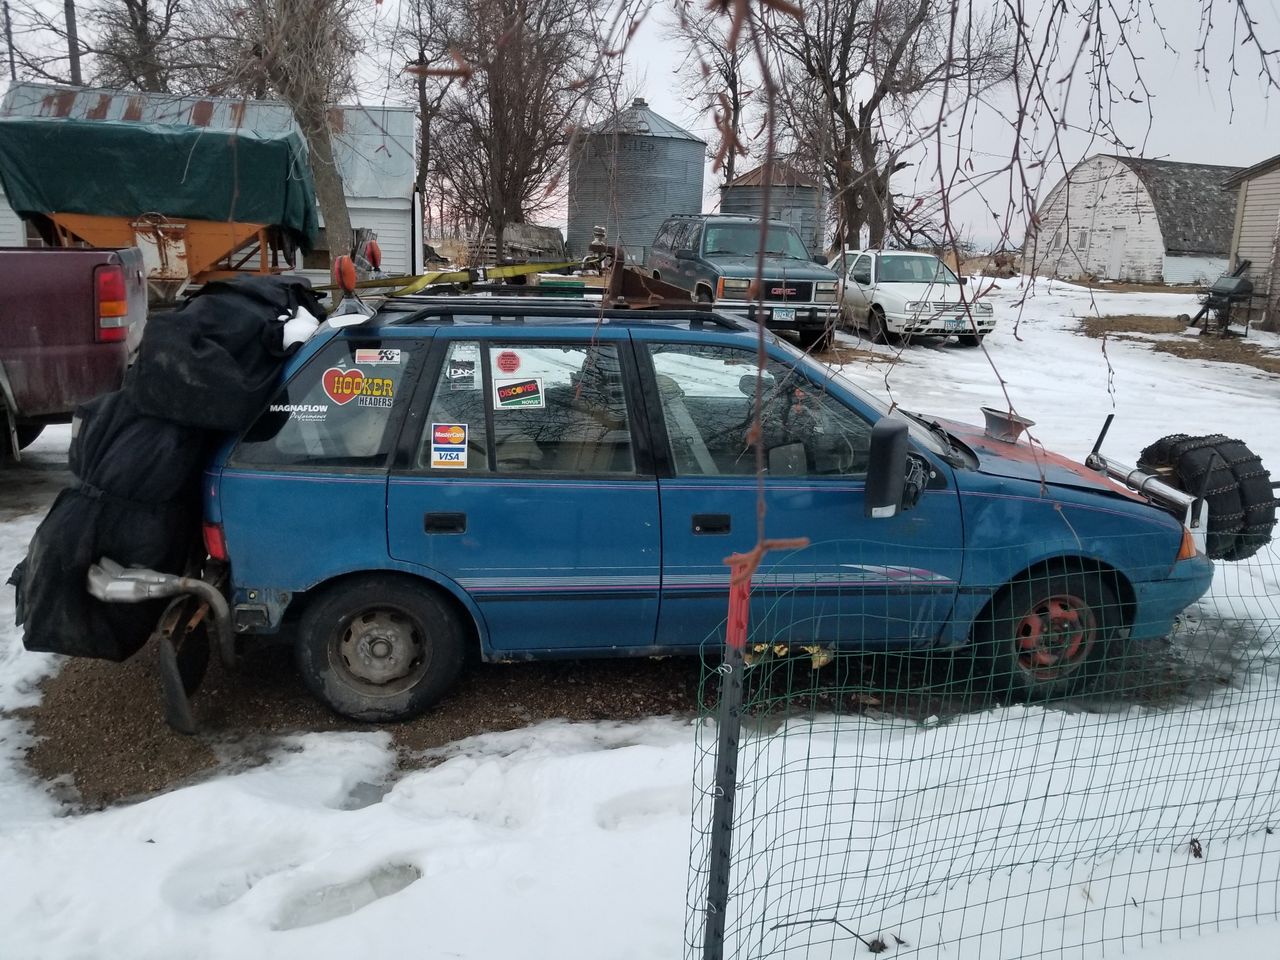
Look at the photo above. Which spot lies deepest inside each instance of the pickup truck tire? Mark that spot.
(1044, 635)
(1195, 464)
(29, 434)
(816, 338)
(703, 295)
(379, 647)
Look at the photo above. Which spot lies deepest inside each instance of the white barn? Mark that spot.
(1128, 218)
(374, 148)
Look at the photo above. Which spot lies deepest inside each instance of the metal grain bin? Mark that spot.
(628, 175)
(793, 198)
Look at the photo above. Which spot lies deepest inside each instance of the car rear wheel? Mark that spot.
(379, 648)
(1236, 487)
(1045, 634)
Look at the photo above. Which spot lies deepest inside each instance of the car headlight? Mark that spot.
(824, 291)
(915, 306)
(982, 307)
(731, 289)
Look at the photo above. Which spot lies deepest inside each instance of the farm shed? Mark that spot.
(373, 146)
(1256, 236)
(1128, 218)
(793, 198)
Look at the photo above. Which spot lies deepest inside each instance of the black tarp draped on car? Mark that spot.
(203, 371)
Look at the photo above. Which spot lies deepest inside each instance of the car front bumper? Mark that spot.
(781, 316)
(941, 324)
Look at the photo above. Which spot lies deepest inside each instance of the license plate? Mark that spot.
(957, 323)
(784, 313)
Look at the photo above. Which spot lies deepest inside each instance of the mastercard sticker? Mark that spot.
(449, 446)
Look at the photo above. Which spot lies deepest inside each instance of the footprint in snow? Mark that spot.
(641, 807)
(342, 899)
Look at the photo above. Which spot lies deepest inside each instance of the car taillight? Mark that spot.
(215, 542)
(1188, 548)
(111, 300)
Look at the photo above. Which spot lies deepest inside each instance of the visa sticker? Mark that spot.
(449, 446)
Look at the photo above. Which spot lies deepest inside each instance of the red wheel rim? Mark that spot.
(1055, 636)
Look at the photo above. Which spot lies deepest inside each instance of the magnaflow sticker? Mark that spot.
(305, 412)
(343, 386)
(449, 446)
(510, 394)
(377, 356)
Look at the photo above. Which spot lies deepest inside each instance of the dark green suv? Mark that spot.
(714, 257)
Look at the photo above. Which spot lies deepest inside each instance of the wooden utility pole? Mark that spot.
(73, 43)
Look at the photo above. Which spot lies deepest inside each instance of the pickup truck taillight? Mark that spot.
(112, 303)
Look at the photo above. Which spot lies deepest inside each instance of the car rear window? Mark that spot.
(339, 410)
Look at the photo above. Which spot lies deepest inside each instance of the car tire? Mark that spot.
(1193, 464)
(971, 339)
(1256, 497)
(380, 647)
(703, 295)
(1044, 636)
(878, 329)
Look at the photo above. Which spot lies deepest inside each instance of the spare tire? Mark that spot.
(1256, 497)
(1236, 488)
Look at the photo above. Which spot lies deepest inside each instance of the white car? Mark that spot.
(897, 295)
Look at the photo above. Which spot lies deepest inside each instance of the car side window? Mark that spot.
(338, 410)
(529, 408)
(707, 396)
(693, 237)
(861, 270)
(663, 239)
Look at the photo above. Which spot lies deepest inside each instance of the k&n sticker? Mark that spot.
(377, 356)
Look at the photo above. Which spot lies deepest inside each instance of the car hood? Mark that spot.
(1022, 461)
(948, 292)
(745, 268)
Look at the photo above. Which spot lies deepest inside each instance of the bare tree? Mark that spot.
(304, 52)
(529, 67)
(139, 44)
(851, 66)
(715, 77)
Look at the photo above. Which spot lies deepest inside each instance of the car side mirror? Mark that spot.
(685, 254)
(820, 259)
(963, 280)
(886, 469)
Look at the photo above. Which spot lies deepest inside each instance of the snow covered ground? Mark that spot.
(571, 840)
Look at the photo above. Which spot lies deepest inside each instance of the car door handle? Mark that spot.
(711, 523)
(444, 523)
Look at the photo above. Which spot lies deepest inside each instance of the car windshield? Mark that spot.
(820, 372)
(916, 269)
(743, 240)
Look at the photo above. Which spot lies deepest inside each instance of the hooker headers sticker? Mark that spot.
(449, 446)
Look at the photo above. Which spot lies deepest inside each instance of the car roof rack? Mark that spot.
(445, 309)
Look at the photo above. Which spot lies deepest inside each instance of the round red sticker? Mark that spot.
(508, 362)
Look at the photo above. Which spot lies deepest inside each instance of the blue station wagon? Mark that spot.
(548, 478)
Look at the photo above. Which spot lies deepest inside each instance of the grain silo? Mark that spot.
(793, 198)
(629, 174)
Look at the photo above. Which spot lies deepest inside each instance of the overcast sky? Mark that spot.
(1190, 112)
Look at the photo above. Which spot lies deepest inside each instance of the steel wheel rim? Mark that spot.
(380, 650)
(1055, 636)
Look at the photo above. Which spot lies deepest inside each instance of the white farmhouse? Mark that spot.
(1127, 218)
(374, 148)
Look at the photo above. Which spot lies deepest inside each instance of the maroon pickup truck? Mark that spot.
(70, 319)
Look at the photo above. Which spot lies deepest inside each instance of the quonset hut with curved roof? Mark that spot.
(630, 173)
(1128, 218)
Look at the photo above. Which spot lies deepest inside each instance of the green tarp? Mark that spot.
(114, 168)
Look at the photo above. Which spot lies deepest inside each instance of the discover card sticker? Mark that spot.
(449, 446)
(523, 393)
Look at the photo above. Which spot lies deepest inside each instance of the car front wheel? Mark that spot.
(1045, 635)
(878, 328)
(379, 648)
